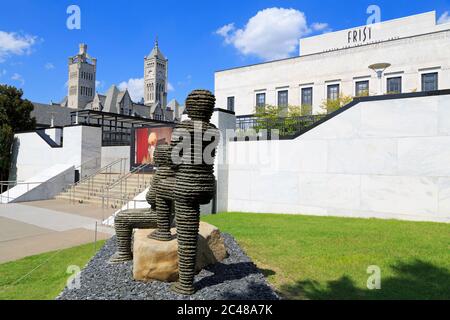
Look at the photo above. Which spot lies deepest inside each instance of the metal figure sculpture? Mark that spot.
(194, 180)
(127, 220)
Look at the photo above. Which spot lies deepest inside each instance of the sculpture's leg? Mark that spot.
(123, 235)
(124, 223)
(162, 233)
(187, 220)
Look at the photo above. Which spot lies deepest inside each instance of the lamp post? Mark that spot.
(379, 68)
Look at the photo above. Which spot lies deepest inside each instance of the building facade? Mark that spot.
(155, 77)
(414, 50)
(82, 94)
(81, 84)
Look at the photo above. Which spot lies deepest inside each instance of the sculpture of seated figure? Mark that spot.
(164, 194)
(127, 220)
(194, 181)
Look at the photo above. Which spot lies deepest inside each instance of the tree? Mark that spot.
(331, 105)
(15, 115)
(287, 121)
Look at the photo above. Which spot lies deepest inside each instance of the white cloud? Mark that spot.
(17, 77)
(12, 43)
(2, 72)
(225, 30)
(273, 33)
(49, 66)
(321, 26)
(99, 84)
(135, 88)
(170, 87)
(444, 18)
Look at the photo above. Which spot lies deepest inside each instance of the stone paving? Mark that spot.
(32, 228)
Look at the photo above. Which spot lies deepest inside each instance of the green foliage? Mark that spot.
(363, 93)
(286, 120)
(15, 115)
(329, 106)
(307, 257)
(6, 140)
(306, 109)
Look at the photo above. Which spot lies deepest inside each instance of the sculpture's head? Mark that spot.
(162, 155)
(200, 105)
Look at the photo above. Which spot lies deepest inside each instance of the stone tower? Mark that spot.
(155, 78)
(81, 85)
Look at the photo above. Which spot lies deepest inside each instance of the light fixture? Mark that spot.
(379, 68)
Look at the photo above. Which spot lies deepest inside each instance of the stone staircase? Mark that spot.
(108, 189)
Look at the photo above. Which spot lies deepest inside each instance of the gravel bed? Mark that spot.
(235, 278)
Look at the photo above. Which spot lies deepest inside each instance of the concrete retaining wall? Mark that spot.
(384, 159)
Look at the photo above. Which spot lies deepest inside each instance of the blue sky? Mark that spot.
(198, 37)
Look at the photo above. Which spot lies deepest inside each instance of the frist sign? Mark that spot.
(359, 35)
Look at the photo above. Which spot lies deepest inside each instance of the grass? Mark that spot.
(307, 257)
(49, 276)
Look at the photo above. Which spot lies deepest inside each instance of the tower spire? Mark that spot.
(156, 42)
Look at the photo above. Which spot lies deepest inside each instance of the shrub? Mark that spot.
(330, 106)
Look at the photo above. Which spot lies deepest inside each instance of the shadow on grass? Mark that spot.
(267, 272)
(415, 280)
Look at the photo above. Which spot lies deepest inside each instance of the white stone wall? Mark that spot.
(384, 159)
(31, 154)
(409, 58)
(44, 185)
(110, 154)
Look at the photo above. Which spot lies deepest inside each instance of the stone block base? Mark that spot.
(158, 260)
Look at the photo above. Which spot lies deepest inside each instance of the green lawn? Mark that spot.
(307, 257)
(49, 277)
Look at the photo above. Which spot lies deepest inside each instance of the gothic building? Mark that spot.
(83, 96)
(81, 85)
(155, 78)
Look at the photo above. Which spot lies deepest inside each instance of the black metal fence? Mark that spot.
(286, 127)
(116, 128)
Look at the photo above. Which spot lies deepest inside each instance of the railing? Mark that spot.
(287, 126)
(89, 181)
(91, 164)
(128, 203)
(122, 185)
(11, 184)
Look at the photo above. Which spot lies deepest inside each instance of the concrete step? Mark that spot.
(92, 191)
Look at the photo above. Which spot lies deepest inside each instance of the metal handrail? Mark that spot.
(123, 181)
(109, 166)
(90, 179)
(80, 167)
(134, 201)
(14, 184)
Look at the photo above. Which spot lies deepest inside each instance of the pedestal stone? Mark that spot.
(158, 260)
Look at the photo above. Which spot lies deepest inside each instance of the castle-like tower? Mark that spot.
(155, 78)
(82, 70)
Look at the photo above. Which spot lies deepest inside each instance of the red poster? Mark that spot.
(146, 141)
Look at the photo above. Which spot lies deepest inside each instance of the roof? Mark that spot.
(44, 112)
(156, 53)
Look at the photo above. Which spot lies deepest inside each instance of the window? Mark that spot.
(430, 81)
(394, 85)
(307, 96)
(230, 103)
(283, 99)
(260, 100)
(362, 88)
(333, 92)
